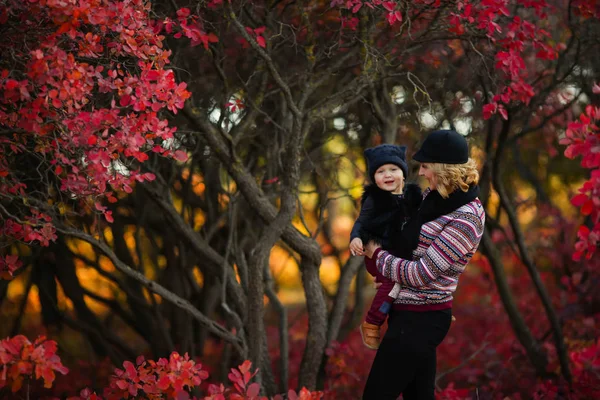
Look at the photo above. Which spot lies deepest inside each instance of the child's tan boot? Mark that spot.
(370, 335)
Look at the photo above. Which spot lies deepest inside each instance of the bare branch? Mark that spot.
(158, 289)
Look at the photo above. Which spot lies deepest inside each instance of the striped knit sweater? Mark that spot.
(446, 245)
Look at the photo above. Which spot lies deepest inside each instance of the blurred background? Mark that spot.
(251, 225)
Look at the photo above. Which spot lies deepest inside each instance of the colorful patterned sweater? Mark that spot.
(446, 245)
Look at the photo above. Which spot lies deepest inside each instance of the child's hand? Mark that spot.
(356, 247)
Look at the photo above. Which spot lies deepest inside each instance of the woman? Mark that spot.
(445, 233)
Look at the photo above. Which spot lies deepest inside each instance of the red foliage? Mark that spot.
(175, 378)
(86, 88)
(582, 139)
(83, 91)
(153, 380)
(22, 360)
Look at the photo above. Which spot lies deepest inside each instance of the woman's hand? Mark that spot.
(370, 249)
(356, 247)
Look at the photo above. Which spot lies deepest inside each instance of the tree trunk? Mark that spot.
(317, 324)
(524, 335)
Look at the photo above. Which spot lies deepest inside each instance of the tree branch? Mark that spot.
(158, 289)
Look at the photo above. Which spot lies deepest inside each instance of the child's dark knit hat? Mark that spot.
(444, 147)
(385, 154)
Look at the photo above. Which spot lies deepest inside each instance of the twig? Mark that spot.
(462, 364)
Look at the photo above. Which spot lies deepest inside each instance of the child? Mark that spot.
(385, 207)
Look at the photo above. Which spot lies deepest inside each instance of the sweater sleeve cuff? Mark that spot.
(376, 254)
(372, 262)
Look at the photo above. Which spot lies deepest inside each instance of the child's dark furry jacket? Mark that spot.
(383, 215)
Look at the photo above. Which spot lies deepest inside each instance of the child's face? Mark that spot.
(389, 177)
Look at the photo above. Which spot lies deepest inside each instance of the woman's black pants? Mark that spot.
(406, 360)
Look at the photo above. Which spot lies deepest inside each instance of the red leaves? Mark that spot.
(125, 100)
(257, 34)
(513, 42)
(393, 15)
(20, 359)
(176, 377)
(36, 227)
(173, 378)
(10, 84)
(190, 27)
(389, 5)
(350, 23)
(586, 369)
(53, 98)
(510, 61)
(8, 265)
(236, 105)
(105, 211)
(492, 108)
(489, 110)
(180, 155)
(244, 389)
(304, 394)
(183, 12)
(241, 379)
(582, 139)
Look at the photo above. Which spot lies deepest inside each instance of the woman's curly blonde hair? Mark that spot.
(450, 177)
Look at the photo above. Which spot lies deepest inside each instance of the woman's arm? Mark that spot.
(458, 238)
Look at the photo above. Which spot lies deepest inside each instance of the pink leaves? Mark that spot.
(257, 34)
(489, 110)
(36, 228)
(582, 139)
(209, 38)
(243, 388)
(393, 15)
(173, 378)
(190, 26)
(20, 359)
(389, 5)
(9, 264)
(513, 41)
(105, 211)
(241, 377)
(510, 61)
(350, 23)
(183, 13)
(180, 155)
(304, 394)
(94, 148)
(234, 106)
(492, 108)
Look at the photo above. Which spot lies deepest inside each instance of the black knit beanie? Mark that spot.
(444, 147)
(385, 154)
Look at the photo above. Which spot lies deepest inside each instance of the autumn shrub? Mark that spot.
(177, 377)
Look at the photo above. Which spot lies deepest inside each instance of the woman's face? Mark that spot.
(426, 171)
